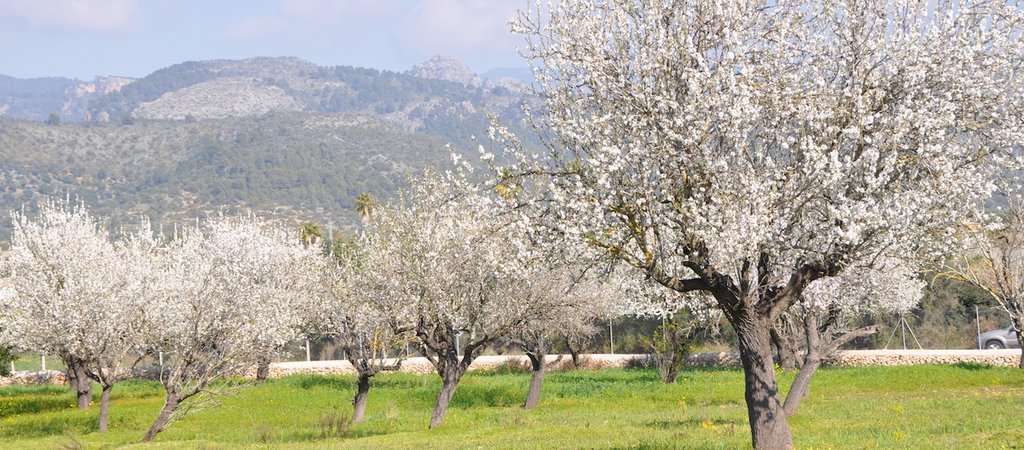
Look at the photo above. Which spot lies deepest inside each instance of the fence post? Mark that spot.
(977, 321)
(307, 351)
(42, 362)
(611, 337)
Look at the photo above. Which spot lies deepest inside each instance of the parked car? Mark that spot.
(997, 339)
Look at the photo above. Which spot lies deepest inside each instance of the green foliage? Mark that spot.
(6, 358)
(870, 407)
(287, 167)
(670, 345)
(310, 233)
(365, 203)
(333, 424)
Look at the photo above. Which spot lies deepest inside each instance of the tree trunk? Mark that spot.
(768, 426)
(574, 352)
(1016, 322)
(784, 348)
(1020, 338)
(450, 382)
(105, 408)
(359, 402)
(170, 404)
(536, 380)
(801, 386)
(78, 379)
(262, 368)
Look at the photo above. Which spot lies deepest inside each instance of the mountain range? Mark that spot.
(280, 136)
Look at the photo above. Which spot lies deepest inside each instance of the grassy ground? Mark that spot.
(907, 407)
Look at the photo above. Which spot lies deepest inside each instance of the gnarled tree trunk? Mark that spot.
(262, 368)
(821, 344)
(784, 347)
(78, 379)
(450, 381)
(162, 419)
(574, 351)
(768, 426)
(362, 394)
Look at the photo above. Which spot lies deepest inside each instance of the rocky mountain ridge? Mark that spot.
(282, 137)
(37, 98)
(255, 86)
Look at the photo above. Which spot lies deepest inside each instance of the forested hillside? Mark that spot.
(281, 136)
(296, 166)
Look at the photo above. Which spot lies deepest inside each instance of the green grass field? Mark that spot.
(962, 406)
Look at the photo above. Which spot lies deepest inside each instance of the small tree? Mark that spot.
(993, 258)
(577, 338)
(7, 357)
(351, 315)
(682, 317)
(230, 289)
(829, 304)
(56, 270)
(567, 301)
(365, 204)
(79, 295)
(457, 269)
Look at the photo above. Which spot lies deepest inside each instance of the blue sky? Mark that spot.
(87, 38)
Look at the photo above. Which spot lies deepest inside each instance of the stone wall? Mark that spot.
(491, 362)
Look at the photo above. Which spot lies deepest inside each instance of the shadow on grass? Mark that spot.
(343, 382)
(477, 395)
(314, 435)
(688, 423)
(34, 404)
(49, 426)
(970, 365)
(630, 376)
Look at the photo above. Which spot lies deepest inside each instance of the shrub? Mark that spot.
(334, 424)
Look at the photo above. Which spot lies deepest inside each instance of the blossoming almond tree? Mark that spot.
(124, 340)
(351, 314)
(78, 294)
(457, 268)
(747, 149)
(567, 299)
(75, 294)
(230, 290)
(61, 267)
(993, 259)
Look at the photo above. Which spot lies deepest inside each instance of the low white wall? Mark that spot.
(597, 361)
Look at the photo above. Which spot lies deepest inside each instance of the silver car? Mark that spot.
(997, 339)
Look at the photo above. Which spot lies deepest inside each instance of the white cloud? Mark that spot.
(459, 25)
(393, 33)
(252, 28)
(79, 15)
(335, 11)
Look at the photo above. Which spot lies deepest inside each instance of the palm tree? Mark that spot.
(309, 233)
(365, 204)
